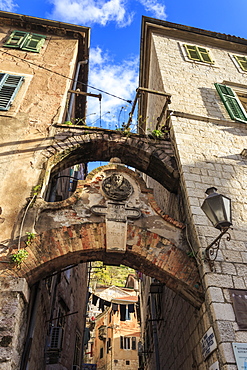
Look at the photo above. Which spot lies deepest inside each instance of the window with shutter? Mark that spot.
(16, 39)
(77, 350)
(125, 342)
(231, 102)
(9, 86)
(25, 41)
(198, 53)
(121, 342)
(242, 61)
(134, 343)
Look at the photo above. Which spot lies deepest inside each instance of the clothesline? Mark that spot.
(125, 309)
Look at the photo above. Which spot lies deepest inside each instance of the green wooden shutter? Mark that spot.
(33, 42)
(231, 102)
(121, 342)
(198, 53)
(9, 86)
(16, 39)
(242, 61)
(192, 52)
(204, 53)
(25, 41)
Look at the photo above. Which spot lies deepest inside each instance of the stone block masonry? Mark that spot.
(208, 146)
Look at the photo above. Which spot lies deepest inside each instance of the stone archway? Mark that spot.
(77, 145)
(112, 216)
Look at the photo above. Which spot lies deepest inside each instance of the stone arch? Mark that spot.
(77, 145)
(95, 224)
(146, 252)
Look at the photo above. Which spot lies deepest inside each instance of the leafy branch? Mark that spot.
(18, 257)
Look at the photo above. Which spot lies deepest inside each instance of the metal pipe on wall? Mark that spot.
(155, 332)
(72, 99)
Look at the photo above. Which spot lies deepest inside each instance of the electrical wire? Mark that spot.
(69, 78)
(191, 247)
(100, 113)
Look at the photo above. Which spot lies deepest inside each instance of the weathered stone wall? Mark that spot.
(26, 127)
(208, 146)
(180, 328)
(67, 288)
(13, 302)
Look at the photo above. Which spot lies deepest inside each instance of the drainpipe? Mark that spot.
(89, 267)
(32, 322)
(155, 333)
(72, 99)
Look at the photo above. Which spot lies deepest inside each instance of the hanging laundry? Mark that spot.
(131, 308)
(108, 304)
(101, 304)
(122, 312)
(127, 316)
(114, 307)
(95, 300)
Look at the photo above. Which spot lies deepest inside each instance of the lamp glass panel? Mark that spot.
(217, 207)
(208, 211)
(227, 206)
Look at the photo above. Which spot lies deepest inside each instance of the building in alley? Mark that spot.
(193, 86)
(116, 330)
(56, 321)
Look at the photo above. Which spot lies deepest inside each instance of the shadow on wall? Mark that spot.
(211, 103)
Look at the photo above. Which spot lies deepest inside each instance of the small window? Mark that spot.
(125, 342)
(25, 41)
(242, 61)
(48, 283)
(231, 102)
(77, 350)
(134, 343)
(108, 345)
(9, 86)
(101, 355)
(127, 362)
(61, 318)
(198, 53)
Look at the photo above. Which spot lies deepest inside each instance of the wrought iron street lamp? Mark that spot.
(217, 208)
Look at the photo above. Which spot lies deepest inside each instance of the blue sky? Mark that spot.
(115, 38)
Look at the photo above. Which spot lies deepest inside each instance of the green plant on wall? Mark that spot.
(18, 257)
(30, 237)
(35, 190)
(76, 121)
(125, 132)
(156, 134)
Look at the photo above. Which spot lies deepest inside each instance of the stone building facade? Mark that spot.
(56, 321)
(41, 61)
(208, 133)
(116, 337)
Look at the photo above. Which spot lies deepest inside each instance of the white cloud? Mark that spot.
(96, 57)
(88, 12)
(8, 5)
(155, 8)
(120, 80)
